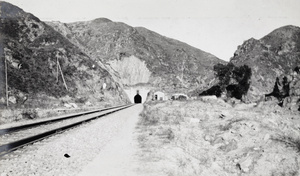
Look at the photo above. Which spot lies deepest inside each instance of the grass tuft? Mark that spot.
(29, 114)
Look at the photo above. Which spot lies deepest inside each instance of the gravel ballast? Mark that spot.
(67, 153)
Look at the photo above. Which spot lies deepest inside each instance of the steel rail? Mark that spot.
(21, 127)
(12, 146)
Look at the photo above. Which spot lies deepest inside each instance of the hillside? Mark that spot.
(43, 65)
(273, 55)
(141, 56)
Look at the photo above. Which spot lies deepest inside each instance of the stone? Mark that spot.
(88, 103)
(292, 103)
(208, 98)
(67, 155)
(67, 105)
(207, 138)
(12, 99)
(194, 120)
(229, 146)
(246, 164)
(73, 105)
(2, 100)
(295, 86)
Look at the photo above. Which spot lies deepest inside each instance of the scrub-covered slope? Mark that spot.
(142, 56)
(43, 63)
(275, 54)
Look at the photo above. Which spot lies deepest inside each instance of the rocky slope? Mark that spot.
(273, 55)
(43, 63)
(140, 55)
(287, 90)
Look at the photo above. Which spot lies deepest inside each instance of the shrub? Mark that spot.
(223, 73)
(29, 114)
(235, 80)
(81, 100)
(214, 90)
(181, 97)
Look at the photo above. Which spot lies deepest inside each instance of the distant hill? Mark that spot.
(273, 55)
(141, 56)
(33, 50)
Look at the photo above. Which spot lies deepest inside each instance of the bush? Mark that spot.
(235, 80)
(29, 114)
(81, 100)
(214, 90)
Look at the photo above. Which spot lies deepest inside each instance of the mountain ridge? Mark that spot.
(173, 65)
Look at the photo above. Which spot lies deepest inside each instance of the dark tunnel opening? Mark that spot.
(137, 98)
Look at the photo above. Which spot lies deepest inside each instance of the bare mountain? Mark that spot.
(42, 65)
(141, 56)
(273, 55)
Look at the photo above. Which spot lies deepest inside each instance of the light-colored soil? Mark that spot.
(119, 155)
(82, 144)
(173, 138)
(213, 138)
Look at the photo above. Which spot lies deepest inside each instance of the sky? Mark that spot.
(214, 26)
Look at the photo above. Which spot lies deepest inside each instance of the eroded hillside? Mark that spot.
(170, 64)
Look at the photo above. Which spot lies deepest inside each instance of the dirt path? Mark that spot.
(118, 157)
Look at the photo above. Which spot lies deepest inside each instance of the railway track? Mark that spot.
(18, 136)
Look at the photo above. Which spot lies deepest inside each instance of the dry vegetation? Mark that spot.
(11, 116)
(213, 138)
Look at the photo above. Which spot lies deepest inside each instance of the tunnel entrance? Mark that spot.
(137, 98)
(132, 92)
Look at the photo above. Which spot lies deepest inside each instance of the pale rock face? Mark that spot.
(132, 70)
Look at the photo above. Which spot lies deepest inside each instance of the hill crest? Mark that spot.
(174, 65)
(269, 57)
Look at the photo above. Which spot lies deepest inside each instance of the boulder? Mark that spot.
(229, 146)
(12, 99)
(88, 103)
(2, 100)
(73, 105)
(194, 120)
(208, 98)
(67, 105)
(246, 164)
(295, 86)
(292, 103)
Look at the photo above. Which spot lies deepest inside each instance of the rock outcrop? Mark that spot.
(271, 56)
(41, 61)
(287, 90)
(133, 70)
